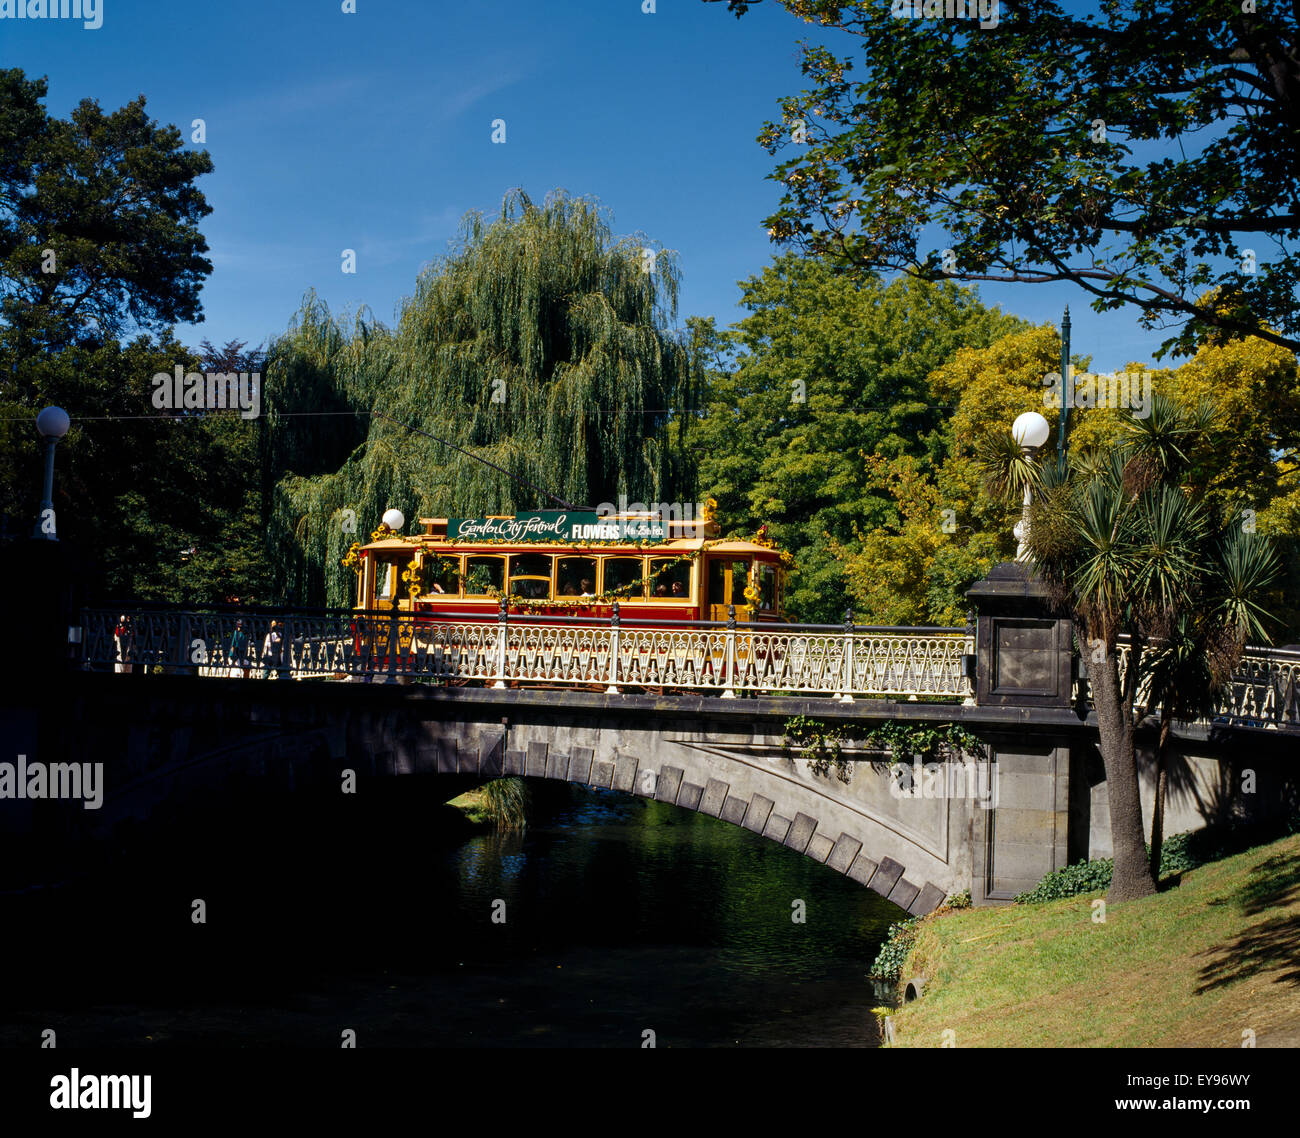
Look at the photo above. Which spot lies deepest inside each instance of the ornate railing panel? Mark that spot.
(723, 658)
(1264, 690)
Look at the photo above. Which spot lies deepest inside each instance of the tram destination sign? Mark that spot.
(556, 525)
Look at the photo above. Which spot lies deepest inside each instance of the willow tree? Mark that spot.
(539, 349)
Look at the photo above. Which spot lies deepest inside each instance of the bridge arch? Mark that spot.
(756, 795)
(716, 757)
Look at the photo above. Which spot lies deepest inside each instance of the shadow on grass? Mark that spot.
(1268, 944)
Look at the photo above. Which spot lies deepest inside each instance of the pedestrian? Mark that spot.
(239, 651)
(272, 647)
(123, 641)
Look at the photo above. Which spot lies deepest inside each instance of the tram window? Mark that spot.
(624, 577)
(739, 582)
(576, 576)
(530, 576)
(671, 578)
(530, 565)
(385, 580)
(439, 575)
(767, 587)
(530, 588)
(717, 585)
(728, 581)
(484, 573)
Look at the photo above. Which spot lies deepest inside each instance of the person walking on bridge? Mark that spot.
(123, 640)
(272, 650)
(239, 651)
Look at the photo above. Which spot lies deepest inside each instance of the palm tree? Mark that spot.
(1189, 666)
(1127, 547)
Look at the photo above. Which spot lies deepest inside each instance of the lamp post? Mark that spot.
(1030, 431)
(1067, 390)
(52, 423)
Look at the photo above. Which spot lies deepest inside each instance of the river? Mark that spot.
(610, 917)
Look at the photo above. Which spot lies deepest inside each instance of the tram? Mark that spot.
(557, 563)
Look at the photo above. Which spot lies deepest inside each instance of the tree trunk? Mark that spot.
(1132, 875)
(1158, 810)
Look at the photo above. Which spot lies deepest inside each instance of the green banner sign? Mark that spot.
(555, 525)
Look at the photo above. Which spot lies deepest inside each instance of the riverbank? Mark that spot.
(1213, 956)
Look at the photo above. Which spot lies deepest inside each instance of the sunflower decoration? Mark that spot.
(709, 512)
(412, 577)
(751, 596)
(353, 558)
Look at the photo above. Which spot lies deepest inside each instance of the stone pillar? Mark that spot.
(1023, 659)
(1024, 651)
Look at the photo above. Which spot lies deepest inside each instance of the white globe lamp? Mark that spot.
(1030, 430)
(53, 423)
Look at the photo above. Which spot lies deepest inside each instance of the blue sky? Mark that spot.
(372, 131)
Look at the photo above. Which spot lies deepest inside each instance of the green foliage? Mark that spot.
(506, 801)
(949, 532)
(1094, 147)
(160, 507)
(98, 223)
(1180, 853)
(959, 900)
(99, 236)
(825, 371)
(892, 956)
(539, 345)
(820, 742)
(1072, 880)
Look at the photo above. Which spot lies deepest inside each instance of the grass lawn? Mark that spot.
(1194, 966)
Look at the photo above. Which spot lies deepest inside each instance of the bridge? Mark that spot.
(185, 703)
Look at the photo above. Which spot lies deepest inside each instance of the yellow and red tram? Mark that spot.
(566, 563)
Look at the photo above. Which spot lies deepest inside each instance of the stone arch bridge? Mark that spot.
(173, 705)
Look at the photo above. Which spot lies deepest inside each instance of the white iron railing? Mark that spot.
(725, 658)
(1264, 689)
(613, 655)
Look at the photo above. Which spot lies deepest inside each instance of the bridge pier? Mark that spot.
(1024, 659)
